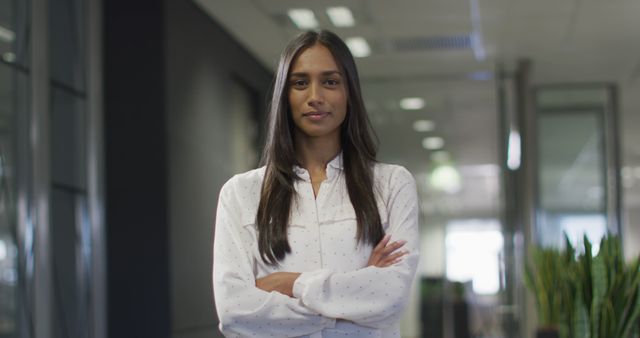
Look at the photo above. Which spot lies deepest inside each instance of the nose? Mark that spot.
(315, 95)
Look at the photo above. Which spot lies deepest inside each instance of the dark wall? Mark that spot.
(136, 158)
(169, 104)
(211, 81)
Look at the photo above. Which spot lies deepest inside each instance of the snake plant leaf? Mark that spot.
(630, 319)
(599, 285)
(580, 320)
(569, 249)
(586, 270)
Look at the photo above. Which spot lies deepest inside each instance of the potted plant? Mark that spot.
(585, 296)
(547, 277)
(607, 293)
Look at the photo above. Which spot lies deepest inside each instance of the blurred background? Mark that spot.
(120, 121)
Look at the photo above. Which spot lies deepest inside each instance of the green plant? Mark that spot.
(607, 293)
(586, 296)
(546, 276)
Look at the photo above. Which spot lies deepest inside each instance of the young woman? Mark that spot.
(322, 241)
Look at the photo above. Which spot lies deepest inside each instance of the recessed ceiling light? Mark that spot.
(358, 46)
(423, 126)
(341, 16)
(514, 150)
(303, 18)
(7, 35)
(636, 172)
(9, 57)
(446, 178)
(432, 143)
(440, 156)
(412, 103)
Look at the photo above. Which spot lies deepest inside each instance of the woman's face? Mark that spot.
(317, 94)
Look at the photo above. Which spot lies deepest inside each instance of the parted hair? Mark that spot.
(358, 143)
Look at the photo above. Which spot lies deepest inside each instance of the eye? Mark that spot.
(299, 83)
(332, 82)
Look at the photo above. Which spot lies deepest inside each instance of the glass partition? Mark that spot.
(13, 108)
(575, 158)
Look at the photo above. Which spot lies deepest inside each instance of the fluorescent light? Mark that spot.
(432, 143)
(7, 35)
(341, 16)
(359, 47)
(477, 43)
(445, 178)
(440, 156)
(303, 18)
(636, 172)
(3, 250)
(514, 150)
(412, 103)
(9, 57)
(423, 126)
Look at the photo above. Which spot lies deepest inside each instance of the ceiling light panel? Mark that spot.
(341, 16)
(303, 18)
(7, 35)
(423, 126)
(412, 103)
(358, 46)
(433, 143)
(440, 156)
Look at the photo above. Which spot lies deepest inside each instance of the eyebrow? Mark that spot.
(325, 73)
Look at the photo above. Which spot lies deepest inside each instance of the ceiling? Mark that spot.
(413, 55)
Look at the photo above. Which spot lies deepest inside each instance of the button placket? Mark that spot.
(316, 201)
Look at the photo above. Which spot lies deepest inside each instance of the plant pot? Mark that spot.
(547, 333)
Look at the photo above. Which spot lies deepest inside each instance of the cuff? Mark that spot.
(302, 284)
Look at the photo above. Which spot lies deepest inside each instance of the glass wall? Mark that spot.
(576, 165)
(48, 182)
(14, 91)
(461, 286)
(70, 226)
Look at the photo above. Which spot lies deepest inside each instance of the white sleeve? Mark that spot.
(371, 296)
(243, 309)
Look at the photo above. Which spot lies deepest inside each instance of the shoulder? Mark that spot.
(392, 175)
(244, 186)
(393, 183)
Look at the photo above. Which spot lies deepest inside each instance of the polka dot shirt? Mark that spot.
(336, 295)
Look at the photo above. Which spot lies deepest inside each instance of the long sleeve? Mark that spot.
(243, 309)
(373, 297)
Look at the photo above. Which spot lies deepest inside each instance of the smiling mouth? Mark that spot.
(316, 114)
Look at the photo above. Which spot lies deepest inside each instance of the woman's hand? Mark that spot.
(386, 254)
(278, 281)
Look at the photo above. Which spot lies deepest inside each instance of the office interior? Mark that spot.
(121, 120)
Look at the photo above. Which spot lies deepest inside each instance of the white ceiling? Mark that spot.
(567, 41)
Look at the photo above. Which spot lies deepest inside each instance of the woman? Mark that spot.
(322, 241)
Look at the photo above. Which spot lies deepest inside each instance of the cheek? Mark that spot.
(342, 104)
(294, 101)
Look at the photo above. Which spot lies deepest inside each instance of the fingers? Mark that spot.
(393, 247)
(386, 254)
(392, 259)
(383, 242)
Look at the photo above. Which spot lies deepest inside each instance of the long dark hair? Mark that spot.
(279, 156)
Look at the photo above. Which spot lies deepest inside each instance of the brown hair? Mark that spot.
(359, 149)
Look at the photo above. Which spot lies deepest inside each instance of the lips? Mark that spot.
(316, 115)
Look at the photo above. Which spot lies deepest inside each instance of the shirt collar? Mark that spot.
(335, 163)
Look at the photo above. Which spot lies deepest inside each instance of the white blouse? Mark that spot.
(336, 295)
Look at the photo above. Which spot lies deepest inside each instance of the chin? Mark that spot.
(318, 132)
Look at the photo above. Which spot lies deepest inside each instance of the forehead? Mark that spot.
(316, 58)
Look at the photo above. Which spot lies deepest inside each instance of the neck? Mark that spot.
(314, 154)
